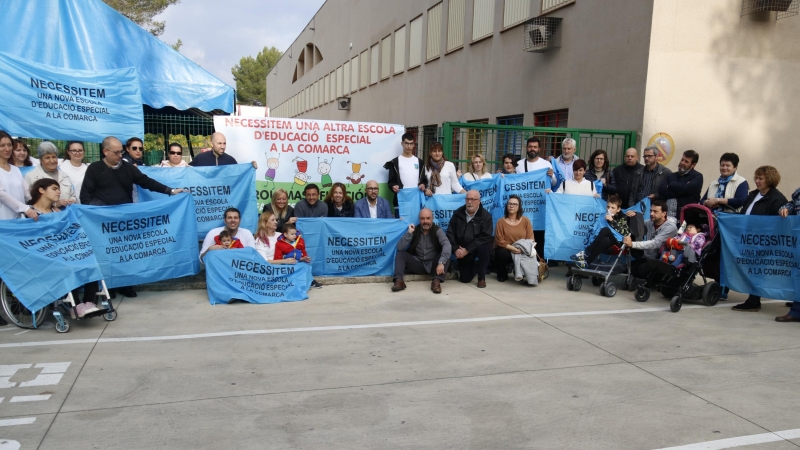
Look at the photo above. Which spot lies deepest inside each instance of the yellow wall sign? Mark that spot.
(665, 145)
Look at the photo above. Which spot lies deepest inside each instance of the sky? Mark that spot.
(216, 35)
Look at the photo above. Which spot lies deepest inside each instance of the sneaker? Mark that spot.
(580, 256)
(315, 285)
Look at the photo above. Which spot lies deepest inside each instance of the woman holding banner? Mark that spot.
(477, 169)
(14, 189)
(441, 173)
(267, 236)
(510, 229)
(280, 207)
(729, 192)
(339, 203)
(509, 165)
(600, 172)
(765, 200)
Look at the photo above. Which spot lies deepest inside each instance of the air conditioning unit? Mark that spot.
(783, 8)
(542, 34)
(772, 5)
(343, 103)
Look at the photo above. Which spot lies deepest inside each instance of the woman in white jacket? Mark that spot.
(477, 170)
(580, 185)
(441, 173)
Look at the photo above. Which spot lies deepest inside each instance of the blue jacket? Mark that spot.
(384, 209)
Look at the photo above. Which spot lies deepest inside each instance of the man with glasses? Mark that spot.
(470, 234)
(624, 175)
(110, 182)
(647, 181)
(373, 206)
(406, 170)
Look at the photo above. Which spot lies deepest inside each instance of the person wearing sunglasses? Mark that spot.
(174, 156)
(134, 152)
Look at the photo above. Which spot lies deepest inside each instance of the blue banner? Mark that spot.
(443, 207)
(530, 187)
(44, 260)
(643, 208)
(410, 201)
(489, 190)
(141, 243)
(570, 222)
(760, 255)
(352, 247)
(242, 274)
(26, 169)
(68, 104)
(214, 189)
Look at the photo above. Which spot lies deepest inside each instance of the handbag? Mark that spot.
(544, 271)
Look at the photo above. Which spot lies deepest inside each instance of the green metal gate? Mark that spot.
(462, 141)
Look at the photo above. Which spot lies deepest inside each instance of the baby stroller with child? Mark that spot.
(65, 306)
(675, 277)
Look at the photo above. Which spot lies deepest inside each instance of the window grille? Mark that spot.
(400, 49)
(374, 68)
(415, 43)
(549, 5)
(482, 19)
(515, 12)
(455, 24)
(386, 57)
(542, 34)
(434, 32)
(783, 8)
(364, 68)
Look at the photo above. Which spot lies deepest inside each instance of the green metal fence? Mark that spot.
(462, 141)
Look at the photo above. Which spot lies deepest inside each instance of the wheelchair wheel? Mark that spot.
(17, 313)
(676, 303)
(111, 315)
(62, 329)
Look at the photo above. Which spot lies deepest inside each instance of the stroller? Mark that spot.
(601, 272)
(65, 306)
(678, 283)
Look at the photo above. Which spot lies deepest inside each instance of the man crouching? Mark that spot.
(422, 250)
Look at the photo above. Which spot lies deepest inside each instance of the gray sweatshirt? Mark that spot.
(656, 238)
(426, 252)
(303, 209)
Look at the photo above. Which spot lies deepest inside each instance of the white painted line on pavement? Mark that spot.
(21, 332)
(350, 327)
(29, 398)
(21, 421)
(740, 441)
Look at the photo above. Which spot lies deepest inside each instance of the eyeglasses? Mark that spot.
(372, 189)
(513, 204)
(137, 148)
(408, 143)
(118, 152)
(175, 153)
(649, 156)
(473, 199)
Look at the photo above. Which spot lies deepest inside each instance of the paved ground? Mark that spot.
(357, 366)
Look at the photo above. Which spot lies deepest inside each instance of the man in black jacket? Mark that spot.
(110, 182)
(683, 187)
(406, 170)
(470, 234)
(625, 176)
(647, 181)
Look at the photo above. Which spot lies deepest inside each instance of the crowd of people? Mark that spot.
(469, 243)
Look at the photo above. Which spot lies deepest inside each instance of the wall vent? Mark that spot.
(542, 34)
(783, 8)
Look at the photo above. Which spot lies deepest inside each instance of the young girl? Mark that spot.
(675, 245)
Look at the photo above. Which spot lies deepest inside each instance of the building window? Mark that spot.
(555, 119)
(327, 92)
(386, 57)
(482, 19)
(346, 78)
(320, 92)
(455, 24)
(354, 74)
(415, 43)
(549, 5)
(374, 68)
(333, 87)
(338, 82)
(434, 46)
(477, 141)
(515, 12)
(400, 49)
(364, 68)
(509, 141)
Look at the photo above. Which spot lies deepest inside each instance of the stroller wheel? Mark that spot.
(577, 283)
(641, 295)
(109, 316)
(570, 286)
(597, 281)
(610, 289)
(711, 293)
(62, 328)
(676, 303)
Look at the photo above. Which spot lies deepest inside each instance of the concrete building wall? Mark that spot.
(599, 73)
(719, 82)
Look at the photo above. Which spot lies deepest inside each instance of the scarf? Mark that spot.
(723, 183)
(436, 179)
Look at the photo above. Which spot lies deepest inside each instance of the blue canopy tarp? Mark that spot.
(90, 35)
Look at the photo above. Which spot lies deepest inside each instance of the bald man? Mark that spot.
(625, 177)
(217, 155)
(372, 206)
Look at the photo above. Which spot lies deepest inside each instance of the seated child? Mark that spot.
(674, 247)
(227, 241)
(291, 245)
(605, 239)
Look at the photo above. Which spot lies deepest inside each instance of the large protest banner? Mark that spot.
(292, 153)
(146, 242)
(242, 274)
(569, 225)
(44, 260)
(214, 189)
(530, 187)
(351, 247)
(410, 201)
(760, 255)
(68, 104)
